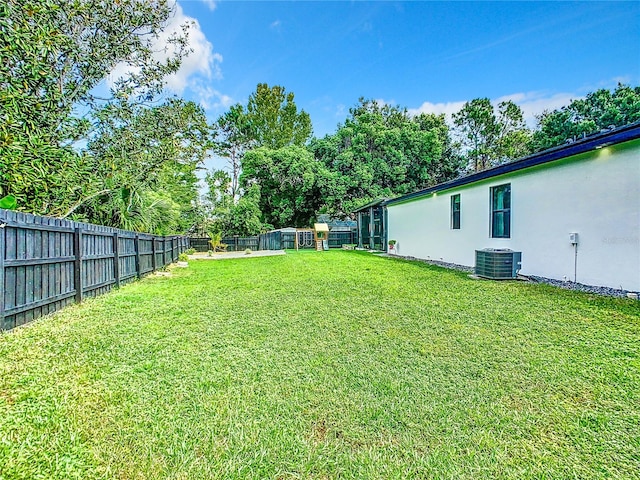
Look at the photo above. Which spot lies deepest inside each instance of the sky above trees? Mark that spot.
(430, 57)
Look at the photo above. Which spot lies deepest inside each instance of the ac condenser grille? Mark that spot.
(498, 264)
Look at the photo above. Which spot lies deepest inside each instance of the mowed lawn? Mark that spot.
(324, 365)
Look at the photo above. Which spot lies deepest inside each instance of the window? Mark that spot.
(501, 211)
(455, 212)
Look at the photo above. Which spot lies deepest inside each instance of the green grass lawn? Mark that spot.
(324, 365)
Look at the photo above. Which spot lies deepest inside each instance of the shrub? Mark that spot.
(183, 257)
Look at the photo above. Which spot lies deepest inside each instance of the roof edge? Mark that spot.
(375, 203)
(584, 145)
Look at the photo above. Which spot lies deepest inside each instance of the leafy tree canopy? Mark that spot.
(598, 110)
(54, 53)
(272, 118)
(383, 151)
(143, 167)
(243, 218)
(231, 141)
(219, 189)
(290, 182)
(491, 136)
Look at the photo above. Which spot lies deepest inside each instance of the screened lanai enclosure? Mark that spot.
(372, 225)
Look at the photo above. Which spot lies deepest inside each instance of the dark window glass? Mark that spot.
(501, 211)
(455, 212)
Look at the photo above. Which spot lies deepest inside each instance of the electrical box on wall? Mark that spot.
(573, 238)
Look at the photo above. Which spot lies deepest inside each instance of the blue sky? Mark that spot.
(426, 56)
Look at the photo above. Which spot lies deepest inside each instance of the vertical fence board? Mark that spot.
(153, 253)
(77, 243)
(136, 246)
(116, 259)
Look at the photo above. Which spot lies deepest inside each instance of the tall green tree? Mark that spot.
(273, 120)
(144, 163)
(232, 141)
(598, 110)
(270, 119)
(491, 136)
(229, 216)
(244, 217)
(383, 151)
(290, 182)
(219, 193)
(53, 53)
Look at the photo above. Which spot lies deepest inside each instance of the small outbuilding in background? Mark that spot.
(321, 234)
(372, 225)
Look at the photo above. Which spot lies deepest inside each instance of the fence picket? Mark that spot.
(153, 253)
(116, 258)
(77, 249)
(136, 248)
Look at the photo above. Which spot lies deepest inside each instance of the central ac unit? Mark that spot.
(498, 264)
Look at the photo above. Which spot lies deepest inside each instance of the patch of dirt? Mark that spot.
(241, 254)
(322, 431)
(160, 273)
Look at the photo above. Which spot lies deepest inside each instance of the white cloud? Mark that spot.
(448, 108)
(210, 98)
(381, 102)
(532, 104)
(275, 25)
(202, 61)
(212, 4)
(621, 79)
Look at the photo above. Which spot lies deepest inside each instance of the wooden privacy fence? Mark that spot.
(199, 244)
(47, 263)
(271, 241)
(239, 244)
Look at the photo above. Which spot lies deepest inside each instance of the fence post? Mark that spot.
(153, 253)
(3, 252)
(136, 246)
(77, 271)
(116, 259)
(164, 251)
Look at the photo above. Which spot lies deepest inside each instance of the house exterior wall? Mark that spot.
(596, 194)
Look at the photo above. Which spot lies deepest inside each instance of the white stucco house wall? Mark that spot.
(590, 187)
